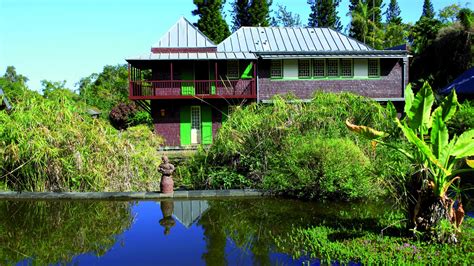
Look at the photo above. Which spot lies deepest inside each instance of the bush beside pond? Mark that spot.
(300, 149)
(50, 143)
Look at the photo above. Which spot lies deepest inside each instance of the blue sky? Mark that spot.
(70, 39)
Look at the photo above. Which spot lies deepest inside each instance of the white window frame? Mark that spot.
(314, 69)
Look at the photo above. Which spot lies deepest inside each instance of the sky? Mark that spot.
(60, 40)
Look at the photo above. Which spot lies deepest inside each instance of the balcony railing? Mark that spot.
(178, 89)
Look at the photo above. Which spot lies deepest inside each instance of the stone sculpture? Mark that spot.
(166, 170)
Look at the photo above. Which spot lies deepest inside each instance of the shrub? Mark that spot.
(53, 144)
(121, 114)
(463, 120)
(269, 145)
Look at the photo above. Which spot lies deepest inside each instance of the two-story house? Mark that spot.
(190, 83)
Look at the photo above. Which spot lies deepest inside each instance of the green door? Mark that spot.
(187, 88)
(206, 118)
(185, 125)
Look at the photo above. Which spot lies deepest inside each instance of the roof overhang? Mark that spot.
(193, 56)
(334, 54)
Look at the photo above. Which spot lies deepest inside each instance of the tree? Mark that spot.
(210, 21)
(106, 89)
(11, 76)
(466, 17)
(240, 16)
(259, 13)
(286, 18)
(395, 31)
(393, 13)
(373, 16)
(428, 10)
(324, 14)
(449, 13)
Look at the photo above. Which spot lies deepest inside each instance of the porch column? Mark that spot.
(215, 73)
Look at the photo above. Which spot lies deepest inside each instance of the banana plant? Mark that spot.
(427, 131)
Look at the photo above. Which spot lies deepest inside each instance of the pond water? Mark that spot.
(191, 232)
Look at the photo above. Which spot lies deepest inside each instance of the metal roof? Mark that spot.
(183, 34)
(339, 54)
(193, 56)
(289, 39)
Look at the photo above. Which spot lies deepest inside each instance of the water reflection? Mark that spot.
(167, 208)
(44, 232)
(214, 232)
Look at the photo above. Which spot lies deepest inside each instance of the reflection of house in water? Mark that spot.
(189, 211)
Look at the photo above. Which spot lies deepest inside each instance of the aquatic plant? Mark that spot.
(437, 157)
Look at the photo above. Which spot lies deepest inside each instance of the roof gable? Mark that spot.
(289, 39)
(183, 34)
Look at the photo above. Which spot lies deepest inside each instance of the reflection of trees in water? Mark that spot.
(55, 231)
(253, 224)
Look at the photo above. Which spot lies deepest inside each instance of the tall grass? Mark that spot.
(52, 144)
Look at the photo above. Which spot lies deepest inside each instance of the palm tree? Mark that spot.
(362, 19)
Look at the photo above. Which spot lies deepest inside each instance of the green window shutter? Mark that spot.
(187, 88)
(247, 72)
(185, 125)
(206, 127)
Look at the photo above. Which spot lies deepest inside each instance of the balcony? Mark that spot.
(188, 89)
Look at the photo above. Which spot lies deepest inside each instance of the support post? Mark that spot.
(215, 75)
(254, 85)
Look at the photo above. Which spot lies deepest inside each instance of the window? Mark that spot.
(318, 68)
(304, 70)
(333, 67)
(374, 68)
(276, 69)
(346, 68)
(233, 69)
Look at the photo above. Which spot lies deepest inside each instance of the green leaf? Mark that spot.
(464, 145)
(421, 145)
(419, 114)
(449, 105)
(392, 111)
(439, 133)
(409, 96)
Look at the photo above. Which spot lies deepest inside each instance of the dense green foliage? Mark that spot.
(51, 232)
(393, 13)
(210, 21)
(324, 14)
(372, 248)
(428, 10)
(51, 143)
(296, 148)
(106, 89)
(463, 120)
(240, 14)
(259, 13)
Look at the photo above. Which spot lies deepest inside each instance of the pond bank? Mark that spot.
(184, 194)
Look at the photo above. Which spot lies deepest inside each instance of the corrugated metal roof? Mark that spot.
(183, 34)
(193, 56)
(286, 39)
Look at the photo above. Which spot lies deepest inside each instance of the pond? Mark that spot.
(190, 232)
